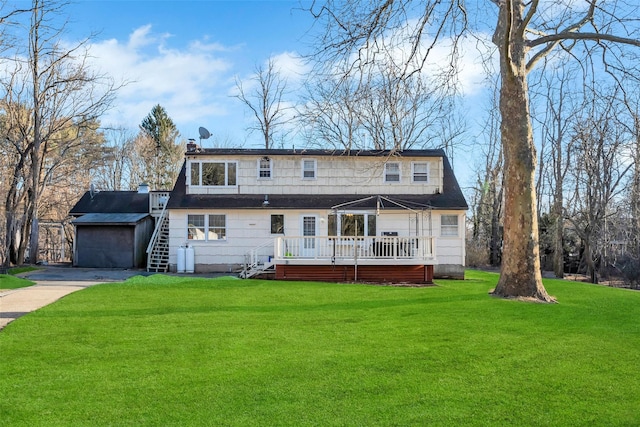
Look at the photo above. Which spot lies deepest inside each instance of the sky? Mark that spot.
(187, 55)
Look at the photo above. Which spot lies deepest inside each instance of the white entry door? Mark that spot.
(309, 232)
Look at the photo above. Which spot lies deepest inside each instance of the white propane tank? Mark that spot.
(182, 259)
(190, 258)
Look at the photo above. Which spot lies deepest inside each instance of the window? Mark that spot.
(420, 172)
(217, 227)
(449, 225)
(195, 227)
(206, 227)
(195, 173)
(213, 173)
(361, 224)
(277, 224)
(309, 169)
(264, 168)
(392, 172)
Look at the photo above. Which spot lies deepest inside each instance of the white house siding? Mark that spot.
(248, 229)
(352, 175)
(450, 250)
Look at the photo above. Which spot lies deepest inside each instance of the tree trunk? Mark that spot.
(520, 275)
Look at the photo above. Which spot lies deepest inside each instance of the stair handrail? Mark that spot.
(157, 228)
(253, 254)
(251, 259)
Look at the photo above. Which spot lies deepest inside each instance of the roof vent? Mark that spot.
(143, 188)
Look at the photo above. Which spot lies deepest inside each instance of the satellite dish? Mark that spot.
(204, 133)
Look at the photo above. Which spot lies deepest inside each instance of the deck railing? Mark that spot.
(157, 202)
(420, 249)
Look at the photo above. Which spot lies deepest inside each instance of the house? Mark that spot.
(113, 228)
(315, 214)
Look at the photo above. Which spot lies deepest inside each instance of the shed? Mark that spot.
(112, 240)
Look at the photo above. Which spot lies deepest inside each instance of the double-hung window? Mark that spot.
(392, 172)
(264, 168)
(219, 174)
(420, 172)
(309, 167)
(449, 226)
(207, 227)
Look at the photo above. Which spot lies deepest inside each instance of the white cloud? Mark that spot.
(190, 83)
(291, 66)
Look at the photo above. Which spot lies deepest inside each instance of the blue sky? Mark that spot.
(186, 55)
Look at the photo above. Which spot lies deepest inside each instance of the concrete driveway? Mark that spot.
(53, 283)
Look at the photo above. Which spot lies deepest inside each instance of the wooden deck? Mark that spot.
(367, 259)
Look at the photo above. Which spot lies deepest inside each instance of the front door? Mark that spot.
(309, 234)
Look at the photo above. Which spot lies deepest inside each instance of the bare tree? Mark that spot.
(600, 141)
(113, 172)
(525, 33)
(62, 96)
(488, 194)
(265, 98)
(331, 115)
(558, 113)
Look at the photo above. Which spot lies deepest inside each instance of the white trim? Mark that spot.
(207, 227)
(259, 169)
(303, 170)
(413, 172)
(226, 173)
(384, 175)
(450, 227)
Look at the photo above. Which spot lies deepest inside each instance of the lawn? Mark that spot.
(168, 351)
(8, 281)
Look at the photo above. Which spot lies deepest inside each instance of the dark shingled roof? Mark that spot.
(111, 202)
(316, 152)
(110, 218)
(450, 198)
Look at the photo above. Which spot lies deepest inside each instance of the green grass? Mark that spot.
(23, 269)
(7, 281)
(172, 351)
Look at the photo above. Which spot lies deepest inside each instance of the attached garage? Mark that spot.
(112, 240)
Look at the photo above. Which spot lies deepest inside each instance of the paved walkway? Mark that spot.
(18, 302)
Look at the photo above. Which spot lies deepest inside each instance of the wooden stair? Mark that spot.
(158, 249)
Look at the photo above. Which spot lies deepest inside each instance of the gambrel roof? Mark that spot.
(451, 196)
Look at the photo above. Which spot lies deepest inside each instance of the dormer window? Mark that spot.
(264, 168)
(420, 172)
(309, 169)
(216, 174)
(392, 172)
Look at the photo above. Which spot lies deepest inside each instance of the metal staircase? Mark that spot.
(158, 249)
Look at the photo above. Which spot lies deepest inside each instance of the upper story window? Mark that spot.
(449, 226)
(264, 168)
(420, 172)
(213, 173)
(309, 167)
(392, 172)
